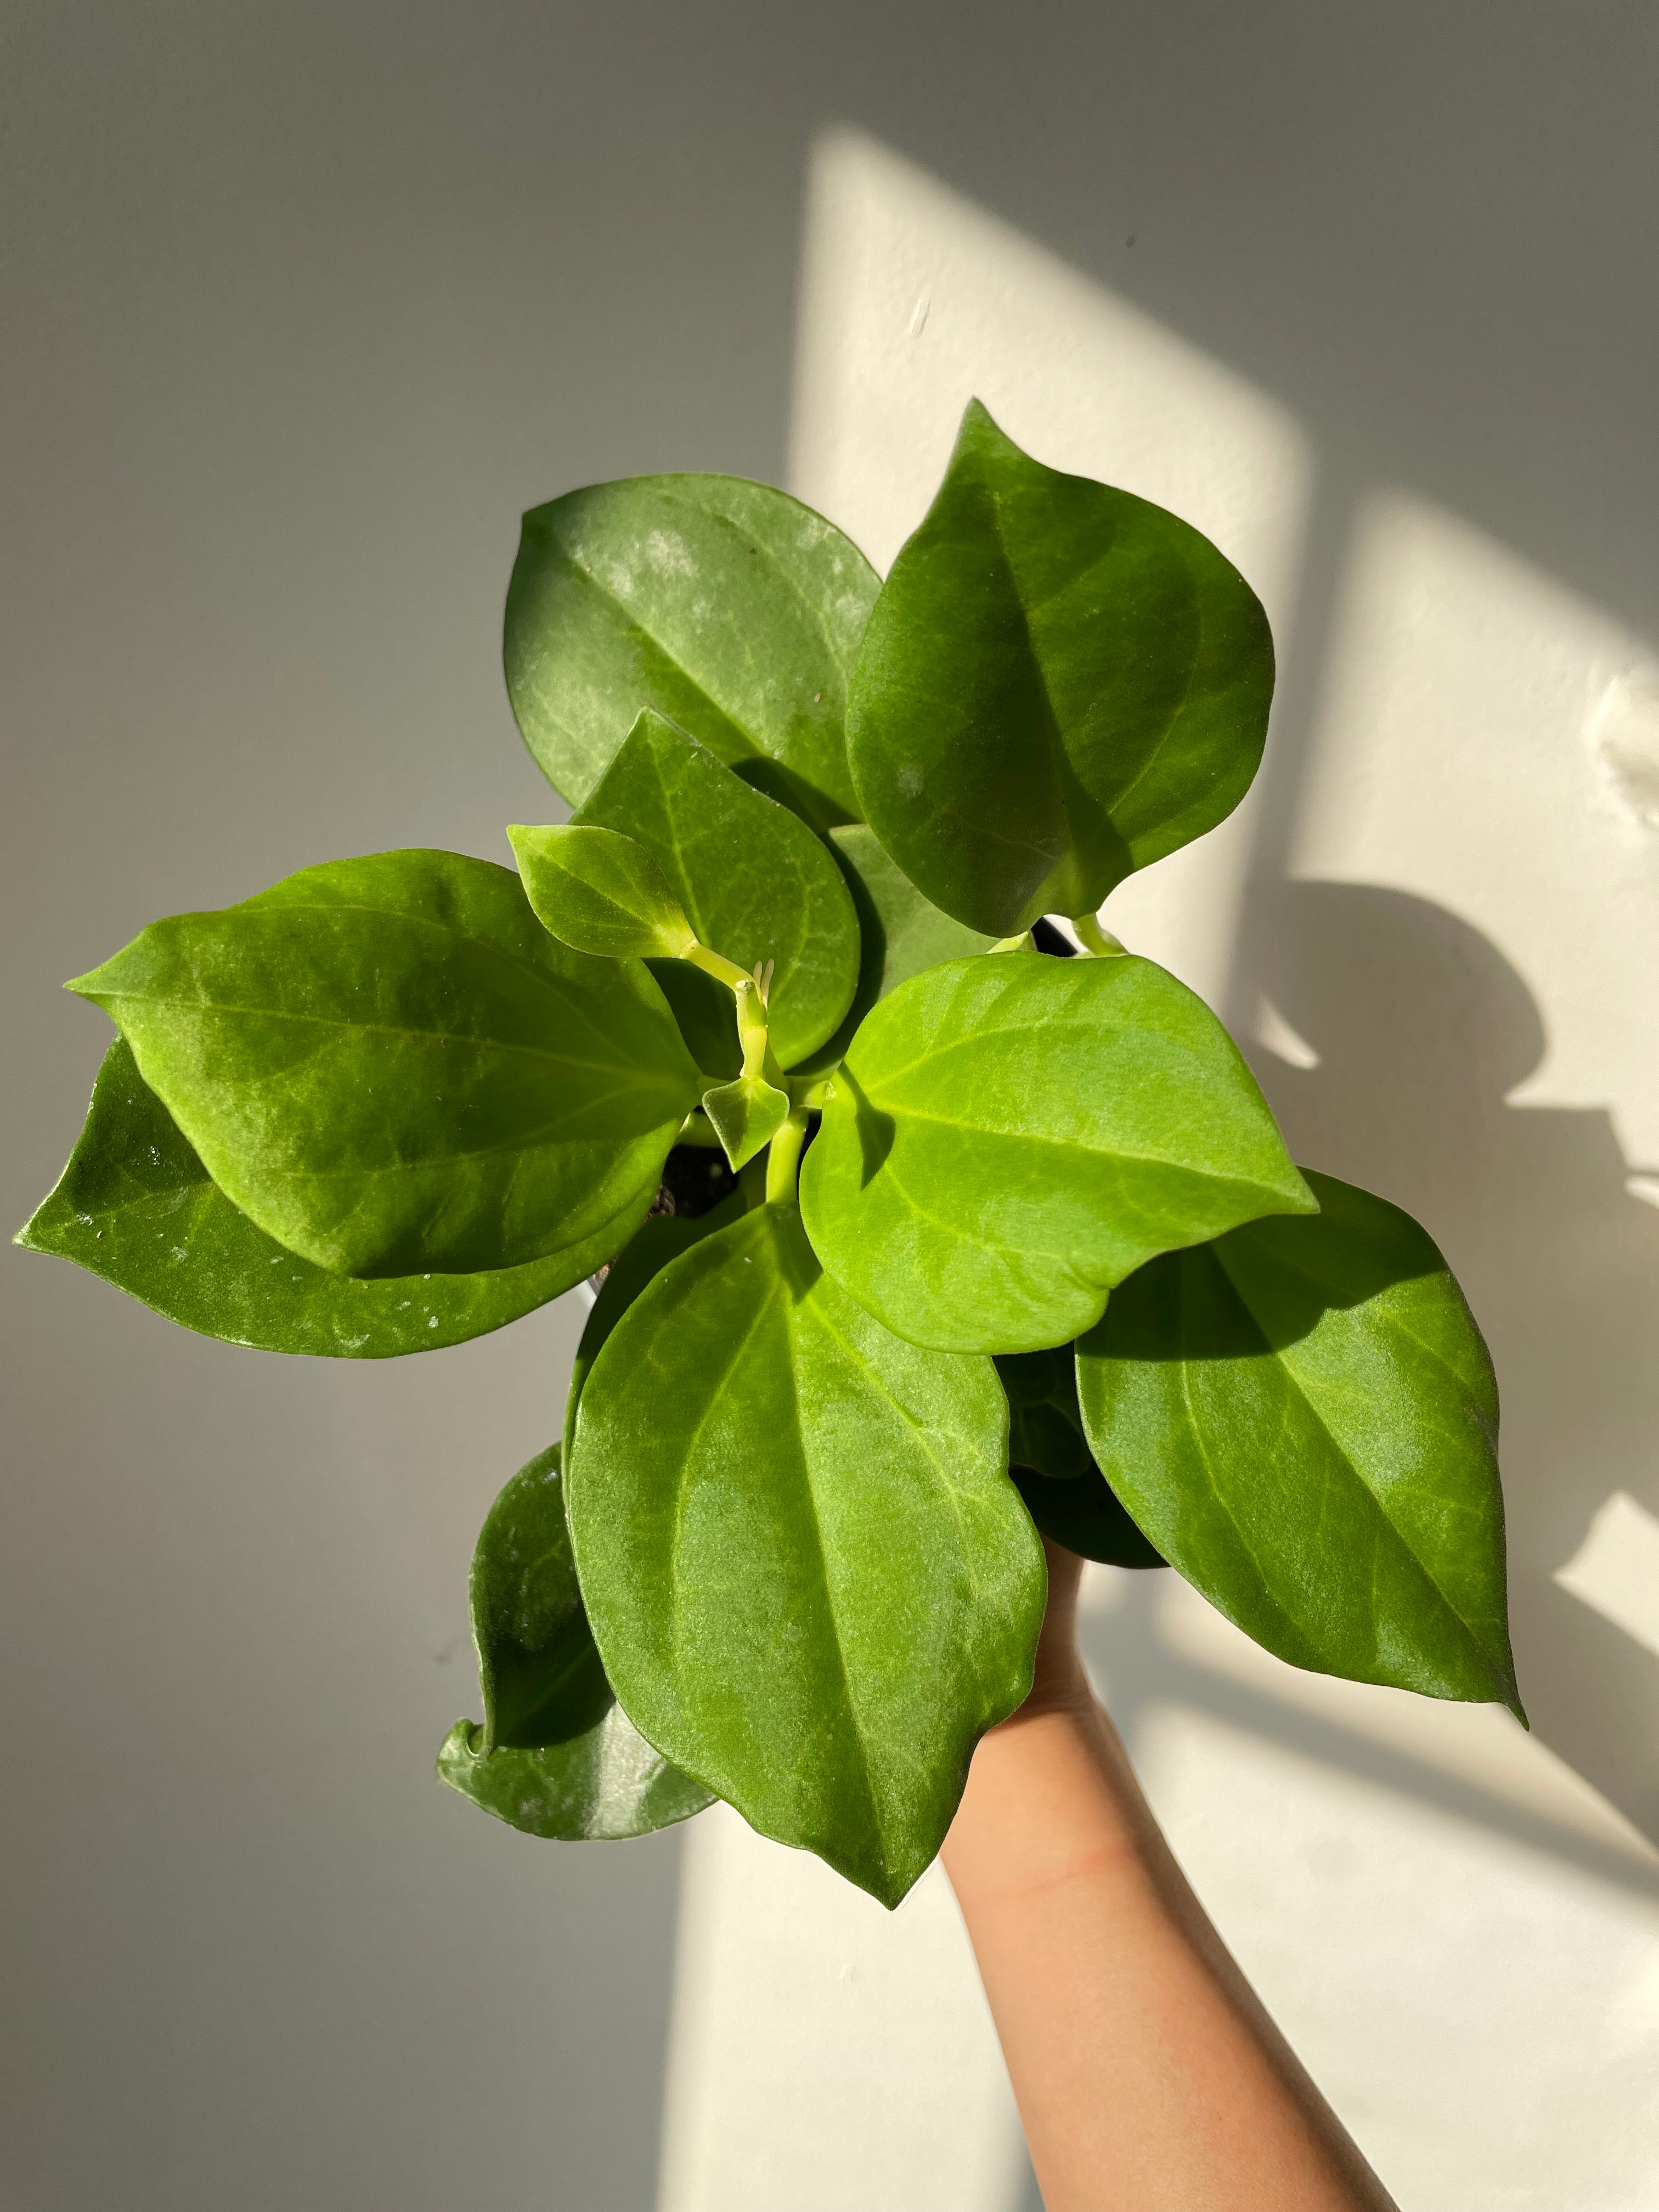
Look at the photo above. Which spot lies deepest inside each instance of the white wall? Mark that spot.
(304, 305)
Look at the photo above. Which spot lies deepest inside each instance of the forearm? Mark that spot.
(1149, 2077)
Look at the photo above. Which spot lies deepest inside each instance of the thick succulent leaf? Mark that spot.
(727, 605)
(600, 891)
(538, 1665)
(813, 1584)
(1009, 1136)
(135, 1205)
(755, 882)
(661, 1239)
(600, 1787)
(746, 1114)
(1059, 683)
(390, 1066)
(1302, 1417)
(1052, 1468)
(900, 932)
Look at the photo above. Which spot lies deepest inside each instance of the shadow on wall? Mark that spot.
(1421, 1029)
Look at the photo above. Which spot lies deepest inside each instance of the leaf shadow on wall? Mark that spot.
(1422, 1031)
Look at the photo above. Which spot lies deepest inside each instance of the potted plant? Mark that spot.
(916, 1239)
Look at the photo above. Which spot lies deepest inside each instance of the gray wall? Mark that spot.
(304, 304)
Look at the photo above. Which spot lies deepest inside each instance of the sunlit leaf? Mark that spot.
(391, 1068)
(727, 606)
(812, 1582)
(1302, 1417)
(1059, 683)
(135, 1205)
(1009, 1136)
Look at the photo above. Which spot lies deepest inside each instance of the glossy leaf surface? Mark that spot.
(600, 891)
(600, 1787)
(754, 883)
(1059, 683)
(727, 605)
(390, 1066)
(900, 931)
(1052, 1468)
(813, 1583)
(1009, 1136)
(537, 1666)
(135, 1205)
(746, 1114)
(1302, 1418)
(557, 1755)
(661, 1239)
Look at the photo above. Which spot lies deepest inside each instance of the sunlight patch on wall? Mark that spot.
(1481, 735)
(1616, 1569)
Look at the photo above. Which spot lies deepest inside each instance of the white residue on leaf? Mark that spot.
(910, 779)
(669, 555)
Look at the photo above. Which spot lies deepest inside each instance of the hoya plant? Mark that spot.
(925, 1230)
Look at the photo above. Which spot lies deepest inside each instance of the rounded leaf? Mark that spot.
(728, 606)
(812, 1582)
(754, 883)
(391, 1068)
(1302, 1418)
(1009, 1136)
(135, 1205)
(1059, 683)
(601, 892)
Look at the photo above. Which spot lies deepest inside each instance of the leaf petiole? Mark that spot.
(1099, 944)
(784, 1159)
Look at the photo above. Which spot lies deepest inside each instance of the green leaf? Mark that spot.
(661, 1239)
(1052, 1468)
(812, 1582)
(747, 1115)
(900, 934)
(1009, 1137)
(706, 1013)
(600, 1787)
(537, 1664)
(754, 883)
(391, 1068)
(557, 1755)
(601, 892)
(135, 1205)
(727, 606)
(1302, 1417)
(1059, 683)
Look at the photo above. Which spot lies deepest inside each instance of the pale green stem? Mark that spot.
(717, 965)
(1011, 943)
(784, 1157)
(1095, 940)
(697, 1129)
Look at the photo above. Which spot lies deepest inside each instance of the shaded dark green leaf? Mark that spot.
(135, 1205)
(1009, 1136)
(1059, 683)
(1302, 1417)
(900, 932)
(557, 1755)
(390, 1066)
(754, 883)
(537, 1666)
(758, 1467)
(725, 604)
